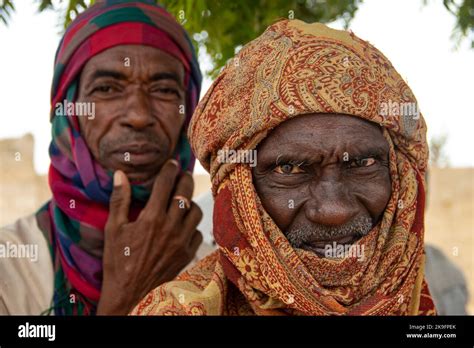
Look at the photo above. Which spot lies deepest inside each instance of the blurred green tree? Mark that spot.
(221, 27)
(438, 155)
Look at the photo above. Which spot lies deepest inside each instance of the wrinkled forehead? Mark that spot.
(124, 60)
(323, 130)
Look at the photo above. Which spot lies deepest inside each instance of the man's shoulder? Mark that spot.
(15, 237)
(26, 269)
(446, 283)
(198, 291)
(20, 228)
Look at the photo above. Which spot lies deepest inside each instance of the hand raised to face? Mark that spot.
(138, 95)
(143, 254)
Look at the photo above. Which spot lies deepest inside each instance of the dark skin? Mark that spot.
(134, 133)
(136, 109)
(335, 170)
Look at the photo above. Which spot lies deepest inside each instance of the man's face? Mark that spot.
(323, 179)
(137, 91)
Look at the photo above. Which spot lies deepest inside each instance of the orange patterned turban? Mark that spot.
(293, 69)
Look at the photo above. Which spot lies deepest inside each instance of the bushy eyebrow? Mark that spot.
(108, 73)
(166, 76)
(300, 159)
(369, 151)
(296, 160)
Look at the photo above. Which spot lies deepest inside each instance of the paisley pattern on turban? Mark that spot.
(293, 69)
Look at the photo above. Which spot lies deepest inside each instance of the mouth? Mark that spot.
(137, 154)
(320, 247)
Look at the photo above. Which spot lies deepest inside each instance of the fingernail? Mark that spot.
(175, 162)
(117, 178)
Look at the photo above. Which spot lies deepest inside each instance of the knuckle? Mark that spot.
(188, 182)
(109, 226)
(200, 237)
(147, 221)
(158, 221)
(196, 242)
(174, 247)
(198, 212)
(188, 178)
(171, 169)
(195, 214)
(191, 252)
(168, 231)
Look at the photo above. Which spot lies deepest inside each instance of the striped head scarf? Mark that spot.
(74, 220)
(293, 69)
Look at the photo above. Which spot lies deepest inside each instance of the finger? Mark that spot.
(162, 188)
(119, 201)
(192, 219)
(195, 242)
(180, 202)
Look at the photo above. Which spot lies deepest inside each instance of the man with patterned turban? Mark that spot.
(120, 221)
(329, 219)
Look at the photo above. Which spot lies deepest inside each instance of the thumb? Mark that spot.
(119, 201)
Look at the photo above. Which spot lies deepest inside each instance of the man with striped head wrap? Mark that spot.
(329, 219)
(120, 221)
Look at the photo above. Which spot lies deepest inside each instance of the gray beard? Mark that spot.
(297, 236)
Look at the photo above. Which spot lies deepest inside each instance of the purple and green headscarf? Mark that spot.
(74, 219)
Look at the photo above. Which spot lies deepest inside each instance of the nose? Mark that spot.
(330, 204)
(138, 112)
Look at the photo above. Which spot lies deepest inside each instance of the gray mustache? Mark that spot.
(299, 235)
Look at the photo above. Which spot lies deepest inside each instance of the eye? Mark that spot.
(103, 89)
(165, 92)
(363, 162)
(288, 168)
(169, 91)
